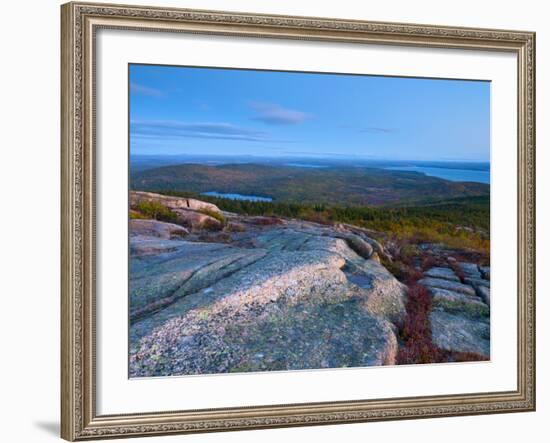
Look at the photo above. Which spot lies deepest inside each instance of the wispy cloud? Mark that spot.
(378, 130)
(369, 129)
(209, 130)
(136, 88)
(273, 114)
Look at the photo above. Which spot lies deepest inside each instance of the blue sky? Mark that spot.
(181, 110)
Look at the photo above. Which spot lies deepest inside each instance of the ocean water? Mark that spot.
(456, 175)
(252, 198)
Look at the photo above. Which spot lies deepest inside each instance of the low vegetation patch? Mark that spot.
(154, 210)
(417, 346)
(403, 272)
(428, 223)
(135, 215)
(213, 214)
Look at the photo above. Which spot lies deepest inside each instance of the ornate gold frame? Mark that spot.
(79, 420)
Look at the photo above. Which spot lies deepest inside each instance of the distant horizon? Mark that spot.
(316, 157)
(196, 111)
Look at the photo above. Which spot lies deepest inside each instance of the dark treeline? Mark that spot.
(461, 222)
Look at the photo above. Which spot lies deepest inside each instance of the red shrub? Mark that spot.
(418, 306)
(416, 336)
(413, 275)
(458, 271)
(404, 273)
(417, 345)
(429, 261)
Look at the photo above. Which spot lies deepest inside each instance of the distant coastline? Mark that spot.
(452, 174)
(456, 171)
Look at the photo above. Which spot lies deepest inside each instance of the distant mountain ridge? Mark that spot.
(337, 185)
(142, 161)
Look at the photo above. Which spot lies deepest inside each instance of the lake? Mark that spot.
(455, 175)
(252, 198)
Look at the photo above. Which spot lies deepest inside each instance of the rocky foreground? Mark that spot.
(460, 307)
(215, 292)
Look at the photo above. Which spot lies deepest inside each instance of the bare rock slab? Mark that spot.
(442, 273)
(385, 295)
(141, 246)
(470, 269)
(156, 280)
(485, 294)
(294, 295)
(358, 245)
(485, 272)
(283, 337)
(172, 202)
(281, 295)
(475, 282)
(197, 220)
(154, 228)
(455, 332)
(444, 297)
(440, 283)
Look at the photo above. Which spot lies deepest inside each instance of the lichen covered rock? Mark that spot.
(284, 296)
(460, 333)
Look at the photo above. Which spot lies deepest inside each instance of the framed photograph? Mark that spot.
(283, 221)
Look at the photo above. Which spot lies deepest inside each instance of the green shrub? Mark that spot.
(213, 214)
(211, 225)
(408, 253)
(135, 215)
(155, 210)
